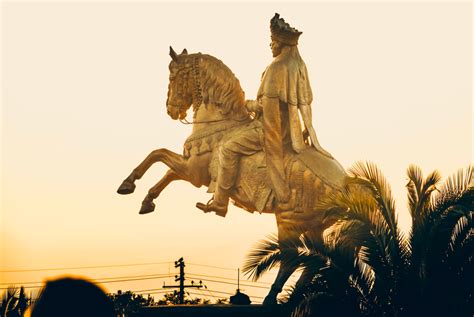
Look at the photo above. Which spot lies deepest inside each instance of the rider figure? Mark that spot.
(284, 90)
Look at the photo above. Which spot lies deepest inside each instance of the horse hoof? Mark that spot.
(147, 207)
(126, 187)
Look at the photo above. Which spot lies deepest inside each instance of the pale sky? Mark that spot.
(83, 102)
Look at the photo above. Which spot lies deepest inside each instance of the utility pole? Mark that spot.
(181, 279)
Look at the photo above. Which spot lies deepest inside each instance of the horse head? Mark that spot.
(199, 78)
(180, 92)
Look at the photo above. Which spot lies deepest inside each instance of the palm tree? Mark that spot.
(366, 267)
(14, 302)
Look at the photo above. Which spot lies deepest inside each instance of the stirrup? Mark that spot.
(205, 207)
(209, 206)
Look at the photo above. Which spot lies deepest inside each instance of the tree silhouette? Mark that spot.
(365, 267)
(173, 299)
(14, 302)
(129, 302)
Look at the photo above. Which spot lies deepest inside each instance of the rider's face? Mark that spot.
(275, 47)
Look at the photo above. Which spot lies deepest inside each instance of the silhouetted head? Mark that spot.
(73, 298)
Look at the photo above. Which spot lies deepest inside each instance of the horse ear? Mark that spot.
(184, 52)
(173, 55)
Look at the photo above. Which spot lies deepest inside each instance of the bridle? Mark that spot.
(197, 97)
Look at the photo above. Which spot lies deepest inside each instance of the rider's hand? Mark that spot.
(253, 106)
(306, 136)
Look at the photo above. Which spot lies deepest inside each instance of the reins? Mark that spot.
(185, 121)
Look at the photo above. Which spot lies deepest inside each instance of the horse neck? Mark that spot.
(208, 116)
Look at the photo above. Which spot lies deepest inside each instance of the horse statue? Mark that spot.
(217, 99)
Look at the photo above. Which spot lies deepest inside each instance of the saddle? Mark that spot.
(310, 175)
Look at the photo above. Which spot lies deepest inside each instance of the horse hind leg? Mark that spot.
(148, 205)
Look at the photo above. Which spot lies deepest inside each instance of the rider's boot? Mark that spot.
(218, 204)
(224, 184)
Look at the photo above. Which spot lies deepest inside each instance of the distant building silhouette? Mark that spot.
(240, 299)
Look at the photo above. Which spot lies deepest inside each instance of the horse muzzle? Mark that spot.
(175, 112)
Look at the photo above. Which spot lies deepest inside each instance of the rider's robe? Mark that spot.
(284, 85)
(285, 80)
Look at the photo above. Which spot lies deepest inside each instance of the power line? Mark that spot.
(226, 293)
(131, 280)
(228, 278)
(201, 295)
(82, 267)
(215, 267)
(222, 282)
(105, 282)
(152, 290)
(96, 279)
(209, 291)
(158, 290)
(207, 296)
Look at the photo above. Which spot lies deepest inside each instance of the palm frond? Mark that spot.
(414, 185)
(463, 229)
(10, 298)
(459, 182)
(373, 179)
(450, 192)
(444, 231)
(265, 255)
(451, 211)
(306, 306)
(420, 192)
(438, 238)
(365, 226)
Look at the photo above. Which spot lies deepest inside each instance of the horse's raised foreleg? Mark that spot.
(174, 161)
(287, 235)
(154, 192)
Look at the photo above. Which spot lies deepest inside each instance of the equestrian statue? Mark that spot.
(262, 154)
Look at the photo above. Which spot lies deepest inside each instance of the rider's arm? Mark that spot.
(306, 113)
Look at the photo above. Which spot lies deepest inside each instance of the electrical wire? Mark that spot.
(227, 293)
(96, 279)
(207, 296)
(221, 282)
(209, 291)
(151, 290)
(82, 267)
(103, 282)
(155, 292)
(227, 278)
(212, 266)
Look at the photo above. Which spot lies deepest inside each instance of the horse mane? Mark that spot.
(221, 87)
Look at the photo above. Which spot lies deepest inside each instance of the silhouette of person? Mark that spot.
(72, 297)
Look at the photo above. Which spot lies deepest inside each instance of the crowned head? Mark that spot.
(283, 32)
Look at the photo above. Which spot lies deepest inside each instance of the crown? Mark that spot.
(283, 32)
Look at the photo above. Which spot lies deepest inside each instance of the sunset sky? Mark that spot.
(83, 102)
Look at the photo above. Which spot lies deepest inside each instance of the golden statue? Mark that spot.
(254, 152)
(284, 90)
